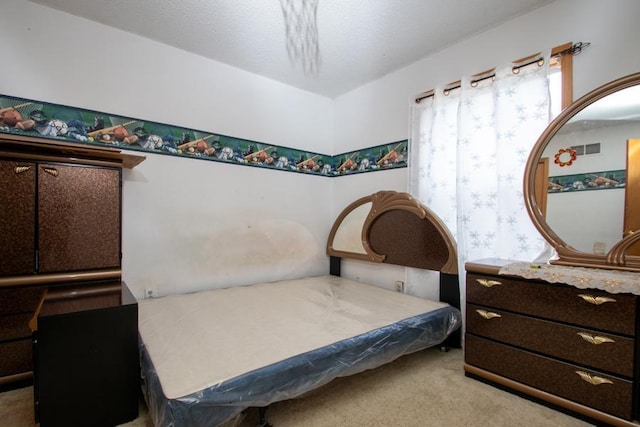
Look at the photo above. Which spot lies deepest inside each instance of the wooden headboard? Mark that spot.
(394, 228)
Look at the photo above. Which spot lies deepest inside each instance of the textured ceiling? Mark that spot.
(343, 45)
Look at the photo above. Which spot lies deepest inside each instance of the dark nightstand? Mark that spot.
(85, 346)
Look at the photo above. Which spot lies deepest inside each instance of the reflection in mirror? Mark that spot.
(586, 198)
(348, 237)
(588, 193)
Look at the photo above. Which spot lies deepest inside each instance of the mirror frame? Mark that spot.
(616, 258)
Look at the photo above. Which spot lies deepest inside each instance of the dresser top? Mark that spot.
(612, 281)
(487, 265)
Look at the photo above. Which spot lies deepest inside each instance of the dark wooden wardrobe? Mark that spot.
(68, 323)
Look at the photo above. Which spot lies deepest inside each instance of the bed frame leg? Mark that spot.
(262, 417)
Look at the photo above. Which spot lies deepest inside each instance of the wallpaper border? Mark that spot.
(606, 180)
(49, 121)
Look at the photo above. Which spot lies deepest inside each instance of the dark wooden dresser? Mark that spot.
(574, 349)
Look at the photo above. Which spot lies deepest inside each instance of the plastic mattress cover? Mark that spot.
(223, 402)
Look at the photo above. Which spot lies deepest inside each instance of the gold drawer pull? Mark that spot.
(51, 171)
(487, 314)
(596, 300)
(488, 283)
(594, 339)
(593, 379)
(21, 169)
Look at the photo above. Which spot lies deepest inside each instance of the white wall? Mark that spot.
(187, 224)
(220, 225)
(379, 111)
(171, 203)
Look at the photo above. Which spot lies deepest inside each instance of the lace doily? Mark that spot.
(612, 281)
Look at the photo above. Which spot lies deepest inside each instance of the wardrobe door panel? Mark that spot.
(17, 218)
(78, 218)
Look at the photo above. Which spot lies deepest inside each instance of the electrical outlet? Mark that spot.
(399, 286)
(599, 248)
(149, 293)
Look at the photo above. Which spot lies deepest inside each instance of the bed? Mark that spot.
(208, 356)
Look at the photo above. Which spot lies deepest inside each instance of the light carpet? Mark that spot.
(427, 388)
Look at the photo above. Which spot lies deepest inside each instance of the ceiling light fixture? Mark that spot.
(302, 33)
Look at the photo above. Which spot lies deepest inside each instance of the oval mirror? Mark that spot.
(582, 179)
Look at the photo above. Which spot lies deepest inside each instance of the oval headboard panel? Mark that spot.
(394, 228)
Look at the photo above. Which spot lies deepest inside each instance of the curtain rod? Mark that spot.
(556, 52)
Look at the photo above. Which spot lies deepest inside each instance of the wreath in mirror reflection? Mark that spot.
(565, 157)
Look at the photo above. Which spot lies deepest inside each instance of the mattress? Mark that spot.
(207, 356)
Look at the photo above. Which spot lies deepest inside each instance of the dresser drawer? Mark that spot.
(613, 396)
(19, 300)
(16, 357)
(590, 308)
(15, 326)
(605, 352)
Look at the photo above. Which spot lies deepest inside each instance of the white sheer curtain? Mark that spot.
(468, 152)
